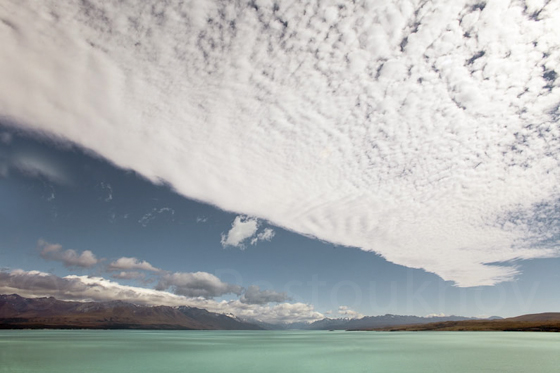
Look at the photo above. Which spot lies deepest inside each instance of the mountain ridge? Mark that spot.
(17, 312)
(537, 322)
(363, 322)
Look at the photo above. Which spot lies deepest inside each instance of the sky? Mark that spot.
(285, 160)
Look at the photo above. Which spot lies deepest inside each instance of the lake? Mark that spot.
(107, 351)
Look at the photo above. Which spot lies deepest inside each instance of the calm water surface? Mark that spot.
(86, 351)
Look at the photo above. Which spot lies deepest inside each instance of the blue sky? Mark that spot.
(114, 213)
(283, 160)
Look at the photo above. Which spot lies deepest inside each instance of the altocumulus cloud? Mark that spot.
(425, 131)
(35, 284)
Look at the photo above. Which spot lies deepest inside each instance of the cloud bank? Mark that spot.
(38, 284)
(194, 289)
(425, 131)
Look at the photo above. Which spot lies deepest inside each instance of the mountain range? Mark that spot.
(366, 322)
(17, 312)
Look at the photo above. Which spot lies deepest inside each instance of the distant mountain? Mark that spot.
(495, 318)
(367, 322)
(537, 317)
(17, 312)
(379, 321)
(540, 322)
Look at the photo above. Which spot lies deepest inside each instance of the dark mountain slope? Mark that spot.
(17, 312)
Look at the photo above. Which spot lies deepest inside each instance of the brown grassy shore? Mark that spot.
(541, 322)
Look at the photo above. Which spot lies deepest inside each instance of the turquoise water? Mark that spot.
(86, 351)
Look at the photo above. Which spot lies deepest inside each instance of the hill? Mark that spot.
(49, 313)
(541, 322)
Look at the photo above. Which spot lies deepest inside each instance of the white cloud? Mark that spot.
(40, 284)
(245, 229)
(196, 284)
(280, 313)
(128, 264)
(379, 125)
(346, 312)
(70, 258)
(242, 228)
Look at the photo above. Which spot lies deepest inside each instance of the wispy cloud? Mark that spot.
(266, 235)
(109, 190)
(415, 130)
(34, 165)
(70, 258)
(150, 216)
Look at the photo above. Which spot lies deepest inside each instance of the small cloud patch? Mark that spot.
(245, 229)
